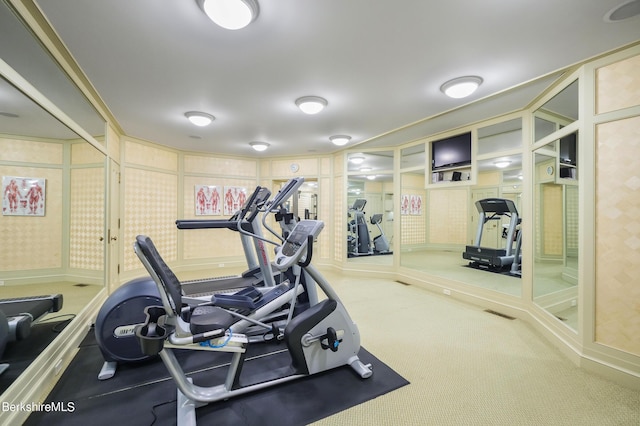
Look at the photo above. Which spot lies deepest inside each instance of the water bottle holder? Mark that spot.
(151, 334)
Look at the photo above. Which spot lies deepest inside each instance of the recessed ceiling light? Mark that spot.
(502, 164)
(365, 169)
(371, 177)
(230, 14)
(356, 160)
(340, 140)
(623, 11)
(311, 104)
(461, 87)
(199, 118)
(259, 146)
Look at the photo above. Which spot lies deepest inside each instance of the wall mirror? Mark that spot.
(53, 195)
(370, 205)
(557, 112)
(435, 235)
(555, 267)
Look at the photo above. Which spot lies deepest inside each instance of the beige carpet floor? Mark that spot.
(469, 367)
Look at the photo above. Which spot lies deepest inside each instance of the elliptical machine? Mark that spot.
(321, 338)
(380, 243)
(358, 240)
(253, 298)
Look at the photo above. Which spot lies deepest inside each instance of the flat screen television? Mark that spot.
(451, 152)
(568, 149)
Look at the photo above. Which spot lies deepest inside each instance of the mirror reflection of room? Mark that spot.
(555, 284)
(435, 241)
(53, 199)
(370, 204)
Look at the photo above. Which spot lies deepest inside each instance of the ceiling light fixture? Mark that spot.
(356, 160)
(311, 104)
(371, 177)
(502, 164)
(230, 14)
(259, 146)
(199, 118)
(461, 87)
(340, 140)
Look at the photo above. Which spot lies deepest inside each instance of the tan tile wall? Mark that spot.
(448, 216)
(618, 85)
(86, 218)
(413, 228)
(618, 234)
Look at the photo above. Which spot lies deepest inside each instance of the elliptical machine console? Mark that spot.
(297, 243)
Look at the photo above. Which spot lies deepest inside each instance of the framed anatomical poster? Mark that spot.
(208, 200)
(23, 196)
(234, 199)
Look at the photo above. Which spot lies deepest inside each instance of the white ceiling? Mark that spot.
(378, 63)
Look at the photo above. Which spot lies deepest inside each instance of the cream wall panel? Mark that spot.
(618, 234)
(325, 201)
(413, 227)
(149, 156)
(552, 216)
(22, 151)
(448, 216)
(339, 217)
(150, 208)
(34, 242)
(325, 166)
(618, 85)
(489, 178)
(86, 218)
(308, 167)
(220, 166)
(84, 153)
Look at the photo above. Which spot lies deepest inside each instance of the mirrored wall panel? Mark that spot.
(370, 199)
(555, 268)
(556, 113)
(53, 204)
(442, 228)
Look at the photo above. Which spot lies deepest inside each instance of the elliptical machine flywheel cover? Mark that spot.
(118, 317)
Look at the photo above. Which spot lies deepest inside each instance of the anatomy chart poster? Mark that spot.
(208, 200)
(234, 199)
(23, 196)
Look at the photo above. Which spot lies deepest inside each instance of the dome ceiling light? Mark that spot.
(230, 14)
(311, 104)
(502, 164)
(340, 140)
(461, 87)
(259, 146)
(356, 160)
(199, 118)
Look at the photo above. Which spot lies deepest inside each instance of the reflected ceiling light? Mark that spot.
(502, 164)
(371, 177)
(340, 140)
(356, 160)
(230, 14)
(259, 146)
(199, 118)
(311, 104)
(365, 169)
(461, 87)
(623, 11)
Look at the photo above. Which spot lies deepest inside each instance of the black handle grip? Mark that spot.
(307, 259)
